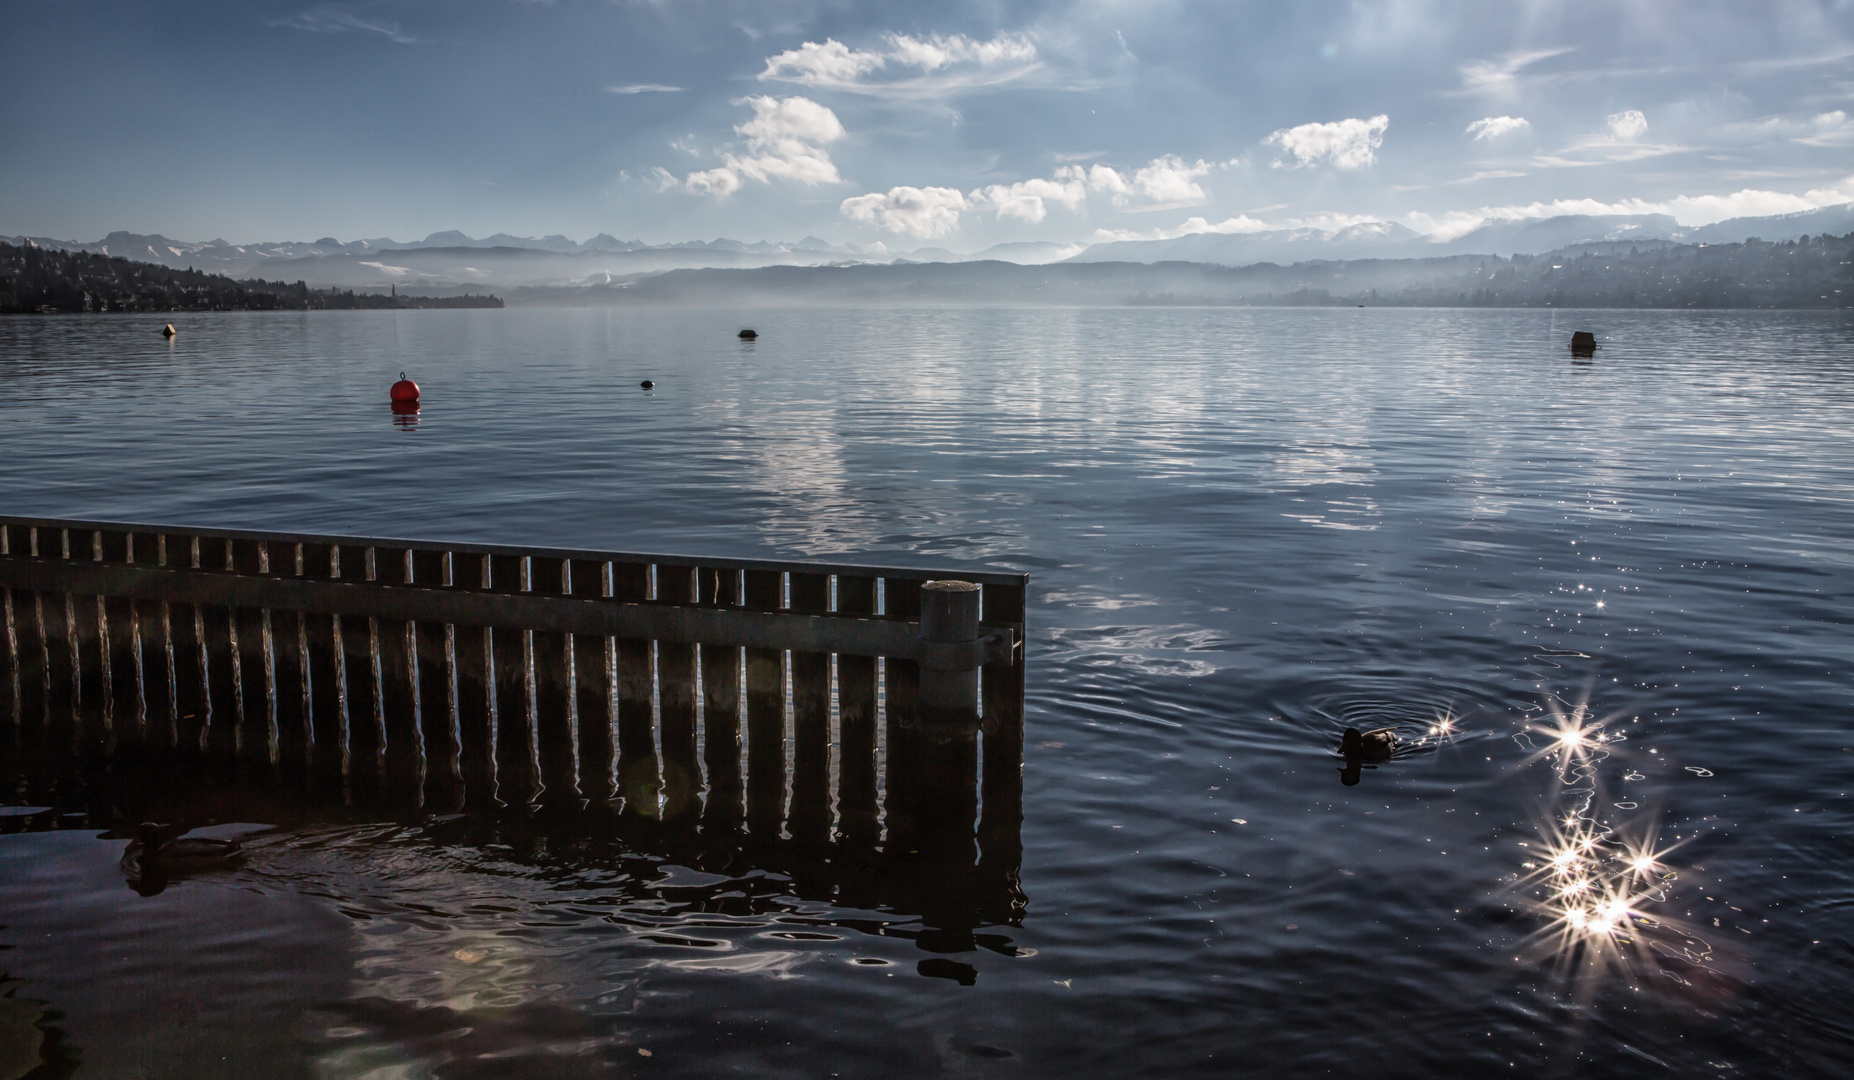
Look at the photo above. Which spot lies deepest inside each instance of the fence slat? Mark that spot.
(86, 651)
(54, 654)
(326, 731)
(1000, 833)
(722, 811)
(553, 687)
(256, 672)
(676, 692)
(515, 736)
(638, 782)
(159, 673)
(293, 691)
(901, 698)
(33, 653)
(765, 716)
(124, 670)
(856, 723)
(810, 814)
(214, 636)
(192, 676)
(592, 687)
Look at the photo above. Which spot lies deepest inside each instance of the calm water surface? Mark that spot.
(1605, 605)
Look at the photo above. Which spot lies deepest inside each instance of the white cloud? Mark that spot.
(1619, 141)
(1501, 77)
(922, 212)
(1332, 221)
(1492, 127)
(1751, 202)
(1488, 174)
(1346, 144)
(1831, 129)
(1028, 200)
(948, 63)
(821, 65)
(1241, 223)
(1165, 182)
(1170, 182)
(786, 140)
(940, 50)
(644, 88)
(1628, 125)
(329, 19)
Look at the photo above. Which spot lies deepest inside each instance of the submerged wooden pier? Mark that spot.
(805, 703)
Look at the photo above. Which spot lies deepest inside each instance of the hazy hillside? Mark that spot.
(1814, 274)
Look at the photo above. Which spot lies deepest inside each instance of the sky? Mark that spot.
(955, 125)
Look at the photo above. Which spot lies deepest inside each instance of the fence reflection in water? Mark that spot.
(725, 713)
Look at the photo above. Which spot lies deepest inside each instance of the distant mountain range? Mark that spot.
(1388, 240)
(453, 259)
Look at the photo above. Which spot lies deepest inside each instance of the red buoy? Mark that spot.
(405, 389)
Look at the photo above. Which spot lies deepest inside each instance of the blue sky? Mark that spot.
(959, 124)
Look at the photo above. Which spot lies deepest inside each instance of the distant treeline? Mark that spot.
(40, 280)
(1814, 272)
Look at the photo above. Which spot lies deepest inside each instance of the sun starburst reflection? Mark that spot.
(1598, 882)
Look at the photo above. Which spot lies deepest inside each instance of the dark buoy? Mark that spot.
(648, 385)
(1583, 343)
(405, 389)
(168, 330)
(748, 335)
(405, 408)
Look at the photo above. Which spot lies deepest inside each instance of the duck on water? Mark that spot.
(1367, 748)
(155, 857)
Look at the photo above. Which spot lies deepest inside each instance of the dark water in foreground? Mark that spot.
(1605, 605)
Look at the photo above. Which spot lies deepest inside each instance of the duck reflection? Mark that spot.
(1365, 750)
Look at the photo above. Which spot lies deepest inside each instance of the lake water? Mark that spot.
(1605, 605)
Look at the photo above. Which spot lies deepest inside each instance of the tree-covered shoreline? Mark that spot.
(43, 281)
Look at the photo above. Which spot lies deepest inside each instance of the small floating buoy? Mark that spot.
(748, 335)
(1583, 343)
(648, 385)
(405, 389)
(168, 330)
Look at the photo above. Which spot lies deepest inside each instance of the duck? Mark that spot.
(151, 854)
(1375, 745)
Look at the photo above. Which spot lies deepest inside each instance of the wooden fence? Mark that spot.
(768, 698)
